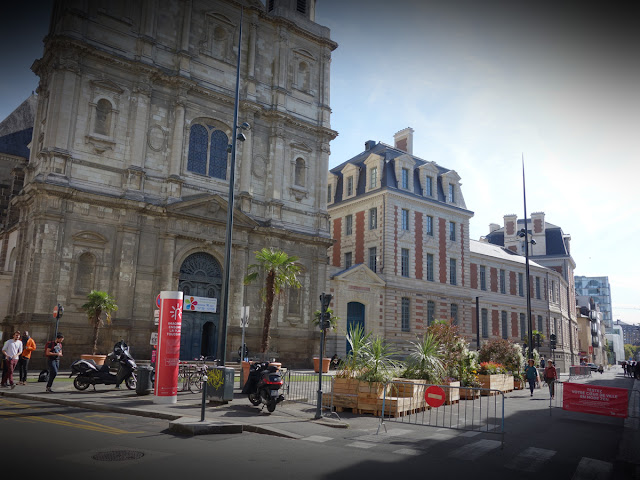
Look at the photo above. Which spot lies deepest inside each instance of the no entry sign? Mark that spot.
(434, 396)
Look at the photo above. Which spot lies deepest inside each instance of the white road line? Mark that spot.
(408, 451)
(317, 438)
(361, 445)
(475, 450)
(470, 434)
(530, 460)
(591, 469)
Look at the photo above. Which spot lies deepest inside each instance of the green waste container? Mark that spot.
(144, 385)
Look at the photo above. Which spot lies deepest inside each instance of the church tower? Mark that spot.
(128, 177)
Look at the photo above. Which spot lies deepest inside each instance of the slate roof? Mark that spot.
(498, 252)
(553, 235)
(17, 129)
(388, 177)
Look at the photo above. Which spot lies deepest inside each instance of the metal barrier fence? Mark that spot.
(579, 371)
(302, 386)
(463, 408)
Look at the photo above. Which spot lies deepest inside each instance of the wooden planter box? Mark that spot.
(500, 381)
(452, 394)
(468, 393)
(407, 387)
(347, 386)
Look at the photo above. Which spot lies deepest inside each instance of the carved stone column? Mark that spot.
(178, 137)
(167, 257)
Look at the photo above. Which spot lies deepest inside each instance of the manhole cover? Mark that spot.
(117, 455)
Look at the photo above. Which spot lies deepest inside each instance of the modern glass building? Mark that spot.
(598, 288)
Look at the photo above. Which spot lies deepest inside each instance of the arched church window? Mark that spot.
(300, 172)
(85, 273)
(207, 151)
(12, 260)
(102, 125)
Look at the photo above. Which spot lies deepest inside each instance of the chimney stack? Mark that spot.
(403, 140)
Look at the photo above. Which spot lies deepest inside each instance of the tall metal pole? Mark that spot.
(477, 323)
(526, 255)
(232, 174)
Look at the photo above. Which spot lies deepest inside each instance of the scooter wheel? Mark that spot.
(81, 383)
(130, 382)
(254, 398)
(271, 406)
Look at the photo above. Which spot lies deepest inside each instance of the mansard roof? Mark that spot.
(498, 252)
(17, 129)
(554, 237)
(388, 178)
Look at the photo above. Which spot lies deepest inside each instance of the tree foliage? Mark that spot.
(504, 352)
(99, 303)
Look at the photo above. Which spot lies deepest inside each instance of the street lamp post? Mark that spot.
(477, 323)
(232, 174)
(525, 233)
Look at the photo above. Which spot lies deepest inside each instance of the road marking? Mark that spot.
(530, 460)
(474, 450)
(361, 445)
(470, 434)
(592, 469)
(408, 451)
(317, 438)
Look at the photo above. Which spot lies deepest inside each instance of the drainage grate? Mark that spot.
(117, 455)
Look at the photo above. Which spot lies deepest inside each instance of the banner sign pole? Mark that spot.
(168, 359)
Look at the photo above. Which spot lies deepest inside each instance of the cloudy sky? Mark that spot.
(482, 83)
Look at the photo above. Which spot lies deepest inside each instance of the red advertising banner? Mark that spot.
(580, 397)
(168, 360)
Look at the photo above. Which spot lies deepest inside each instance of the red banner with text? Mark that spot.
(609, 401)
(168, 360)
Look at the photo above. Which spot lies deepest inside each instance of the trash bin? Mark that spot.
(220, 383)
(143, 384)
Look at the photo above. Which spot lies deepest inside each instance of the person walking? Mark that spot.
(11, 351)
(28, 346)
(53, 352)
(550, 376)
(542, 361)
(532, 375)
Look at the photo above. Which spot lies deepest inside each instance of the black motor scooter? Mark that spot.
(89, 373)
(263, 385)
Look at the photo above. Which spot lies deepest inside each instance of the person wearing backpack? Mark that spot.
(29, 345)
(550, 376)
(53, 352)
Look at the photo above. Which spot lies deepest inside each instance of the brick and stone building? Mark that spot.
(127, 179)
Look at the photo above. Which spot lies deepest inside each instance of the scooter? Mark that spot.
(89, 373)
(263, 385)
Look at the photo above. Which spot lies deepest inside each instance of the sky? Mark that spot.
(484, 84)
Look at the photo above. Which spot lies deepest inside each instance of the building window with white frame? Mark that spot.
(453, 278)
(348, 224)
(430, 267)
(405, 219)
(429, 186)
(483, 277)
(485, 323)
(503, 281)
(538, 288)
(373, 178)
(347, 260)
(505, 327)
(373, 259)
(452, 231)
(430, 225)
(454, 314)
(406, 313)
(521, 284)
(328, 193)
(540, 324)
(405, 178)
(431, 312)
(452, 194)
(349, 186)
(373, 218)
(404, 262)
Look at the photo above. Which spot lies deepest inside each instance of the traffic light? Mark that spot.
(552, 340)
(537, 340)
(325, 300)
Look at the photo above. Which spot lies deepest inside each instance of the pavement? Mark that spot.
(291, 419)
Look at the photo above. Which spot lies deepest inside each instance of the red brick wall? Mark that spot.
(418, 229)
(513, 248)
(537, 226)
(462, 253)
(495, 323)
(512, 283)
(337, 235)
(493, 279)
(443, 249)
(510, 228)
(360, 237)
(514, 325)
(474, 276)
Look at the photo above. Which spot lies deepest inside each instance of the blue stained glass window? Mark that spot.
(197, 161)
(218, 164)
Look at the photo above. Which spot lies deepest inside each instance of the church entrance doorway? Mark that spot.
(200, 276)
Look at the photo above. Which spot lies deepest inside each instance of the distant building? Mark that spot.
(598, 288)
(591, 334)
(630, 333)
(616, 345)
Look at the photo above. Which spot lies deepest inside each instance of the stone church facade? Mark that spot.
(126, 185)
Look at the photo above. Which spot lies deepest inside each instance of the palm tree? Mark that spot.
(281, 271)
(98, 303)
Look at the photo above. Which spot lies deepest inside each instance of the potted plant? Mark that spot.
(99, 303)
(333, 323)
(424, 366)
(280, 271)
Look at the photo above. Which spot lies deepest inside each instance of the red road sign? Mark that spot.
(55, 311)
(158, 300)
(434, 396)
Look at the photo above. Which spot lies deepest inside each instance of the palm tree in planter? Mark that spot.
(280, 271)
(99, 303)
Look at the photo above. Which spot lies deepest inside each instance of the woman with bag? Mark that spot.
(550, 376)
(532, 375)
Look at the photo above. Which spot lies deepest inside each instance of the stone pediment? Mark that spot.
(359, 275)
(107, 85)
(208, 208)
(88, 237)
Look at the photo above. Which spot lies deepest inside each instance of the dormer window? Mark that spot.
(405, 178)
(373, 178)
(429, 186)
(349, 186)
(328, 193)
(452, 195)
